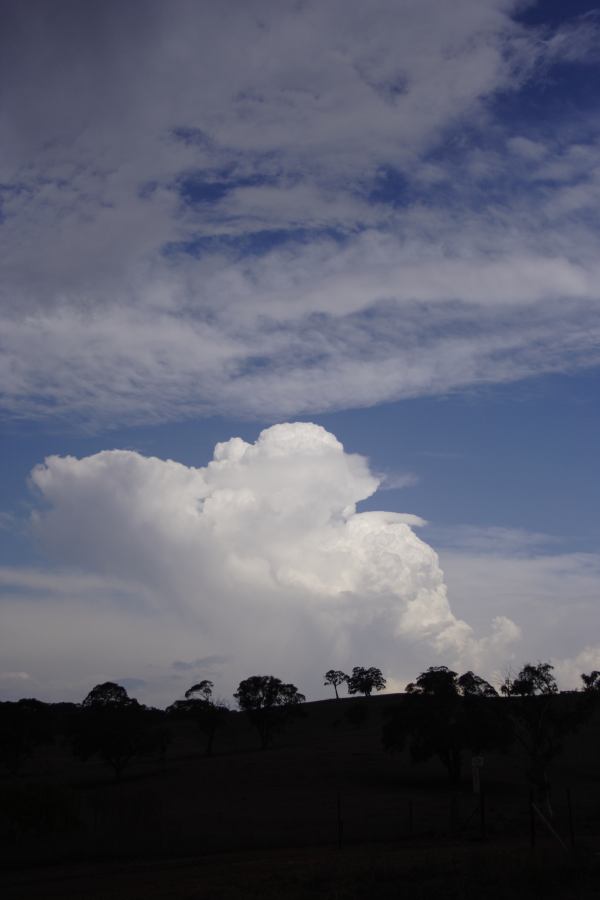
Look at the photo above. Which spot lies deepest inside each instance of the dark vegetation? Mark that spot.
(268, 703)
(368, 790)
(198, 707)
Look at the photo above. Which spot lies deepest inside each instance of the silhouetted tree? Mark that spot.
(471, 685)
(107, 694)
(335, 677)
(591, 691)
(443, 715)
(268, 702)
(506, 686)
(204, 688)
(541, 720)
(364, 681)
(115, 727)
(437, 681)
(442, 681)
(207, 715)
(591, 682)
(532, 680)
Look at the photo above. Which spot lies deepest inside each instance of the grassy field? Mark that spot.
(366, 872)
(258, 823)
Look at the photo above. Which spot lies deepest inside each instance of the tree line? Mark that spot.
(441, 714)
(447, 715)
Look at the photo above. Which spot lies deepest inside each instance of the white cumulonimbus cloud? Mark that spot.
(260, 557)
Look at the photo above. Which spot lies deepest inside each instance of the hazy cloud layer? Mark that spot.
(553, 596)
(280, 208)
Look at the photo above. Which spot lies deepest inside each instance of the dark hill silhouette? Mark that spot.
(326, 767)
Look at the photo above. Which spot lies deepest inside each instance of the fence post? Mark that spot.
(410, 817)
(482, 814)
(340, 823)
(453, 814)
(531, 821)
(571, 825)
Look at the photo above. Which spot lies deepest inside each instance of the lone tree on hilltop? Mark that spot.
(268, 703)
(364, 681)
(335, 677)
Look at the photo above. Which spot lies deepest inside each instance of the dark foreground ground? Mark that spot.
(252, 823)
(419, 872)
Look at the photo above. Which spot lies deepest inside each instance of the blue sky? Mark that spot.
(383, 222)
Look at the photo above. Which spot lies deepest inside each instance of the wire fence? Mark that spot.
(39, 823)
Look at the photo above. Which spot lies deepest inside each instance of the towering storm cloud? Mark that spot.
(261, 554)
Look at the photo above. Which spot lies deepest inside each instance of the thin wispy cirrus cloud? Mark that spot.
(269, 211)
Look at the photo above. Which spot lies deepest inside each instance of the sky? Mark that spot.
(299, 341)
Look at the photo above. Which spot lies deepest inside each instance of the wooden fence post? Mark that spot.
(340, 823)
(571, 824)
(453, 814)
(482, 814)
